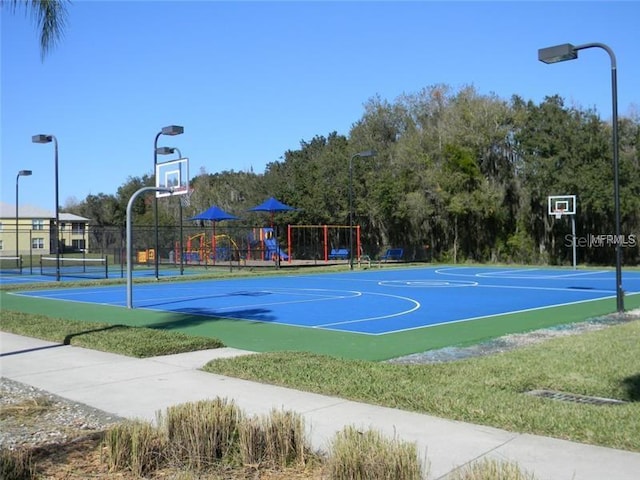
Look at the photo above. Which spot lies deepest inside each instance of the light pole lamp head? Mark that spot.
(558, 53)
(367, 153)
(25, 173)
(165, 150)
(41, 138)
(172, 130)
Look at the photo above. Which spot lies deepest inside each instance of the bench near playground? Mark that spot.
(392, 254)
(343, 254)
(339, 254)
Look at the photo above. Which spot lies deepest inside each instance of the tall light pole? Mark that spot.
(21, 173)
(566, 51)
(366, 153)
(169, 151)
(171, 131)
(48, 139)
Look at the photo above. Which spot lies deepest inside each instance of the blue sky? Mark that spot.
(251, 80)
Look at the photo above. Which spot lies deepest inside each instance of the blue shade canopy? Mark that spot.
(272, 205)
(214, 214)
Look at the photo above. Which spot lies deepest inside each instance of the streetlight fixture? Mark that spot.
(21, 173)
(567, 51)
(171, 131)
(366, 153)
(48, 139)
(169, 151)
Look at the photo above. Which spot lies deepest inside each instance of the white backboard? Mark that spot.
(560, 205)
(173, 174)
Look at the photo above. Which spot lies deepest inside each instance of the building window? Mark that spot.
(37, 243)
(63, 225)
(1, 244)
(78, 245)
(77, 228)
(37, 224)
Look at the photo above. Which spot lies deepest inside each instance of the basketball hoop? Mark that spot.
(561, 205)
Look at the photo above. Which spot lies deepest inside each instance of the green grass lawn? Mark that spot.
(106, 337)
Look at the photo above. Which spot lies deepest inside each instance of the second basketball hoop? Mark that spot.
(560, 205)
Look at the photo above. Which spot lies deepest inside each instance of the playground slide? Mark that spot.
(272, 248)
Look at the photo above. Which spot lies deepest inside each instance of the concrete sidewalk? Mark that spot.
(139, 388)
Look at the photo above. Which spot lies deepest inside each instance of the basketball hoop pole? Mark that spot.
(129, 242)
(573, 237)
(558, 213)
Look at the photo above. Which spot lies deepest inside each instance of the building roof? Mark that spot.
(29, 211)
(71, 217)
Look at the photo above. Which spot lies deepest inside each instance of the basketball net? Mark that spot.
(185, 198)
(558, 213)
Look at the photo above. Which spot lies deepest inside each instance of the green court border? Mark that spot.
(264, 337)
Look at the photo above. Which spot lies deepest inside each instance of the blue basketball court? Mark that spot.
(372, 302)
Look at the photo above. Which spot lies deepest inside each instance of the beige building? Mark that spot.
(35, 236)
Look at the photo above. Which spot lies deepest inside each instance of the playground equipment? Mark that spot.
(271, 248)
(316, 243)
(203, 249)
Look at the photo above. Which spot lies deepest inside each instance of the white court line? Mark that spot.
(381, 317)
(585, 273)
(540, 277)
(60, 292)
(533, 309)
(427, 283)
(248, 293)
(445, 271)
(558, 289)
(58, 298)
(506, 272)
(512, 274)
(140, 304)
(318, 298)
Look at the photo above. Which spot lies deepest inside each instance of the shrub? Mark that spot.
(16, 464)
(356, 455)
(202, 433)
(134, 445)
(286, 440)
(490, 470)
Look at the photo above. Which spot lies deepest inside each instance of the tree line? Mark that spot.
(457, 176)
